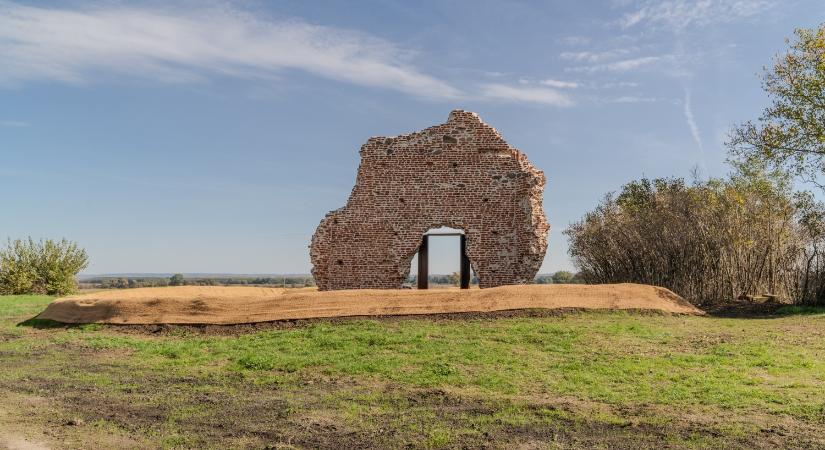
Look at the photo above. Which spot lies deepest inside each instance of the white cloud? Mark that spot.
(629, 64)
(175, 45)
(632, 99)
(694, 129)
(559, 84)
(13, 124)
(624, 65)
(619, 84)
(596, 57)
(525, 94)
(691, 121)
(681, 14)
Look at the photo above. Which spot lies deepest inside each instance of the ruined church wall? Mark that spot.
(460, 174)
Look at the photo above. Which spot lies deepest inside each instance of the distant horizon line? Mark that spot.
(210, 274)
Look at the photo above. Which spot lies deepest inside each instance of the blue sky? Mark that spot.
(214, 136)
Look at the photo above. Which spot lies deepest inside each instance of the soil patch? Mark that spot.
(238, 305)
(319, 414)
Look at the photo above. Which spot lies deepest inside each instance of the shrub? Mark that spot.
(40, 267)
(177, 280)
(563, 277)
(709, 242)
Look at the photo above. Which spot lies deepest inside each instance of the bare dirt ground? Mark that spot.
(238, 305)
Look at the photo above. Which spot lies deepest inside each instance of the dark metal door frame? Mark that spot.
(465, 264)
(423, 261)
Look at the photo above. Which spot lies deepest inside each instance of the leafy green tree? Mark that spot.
(790, 134)
(562, 277)
(454, 278)
(177, 280)
(41, 267)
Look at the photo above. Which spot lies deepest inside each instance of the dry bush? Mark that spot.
(709, 241)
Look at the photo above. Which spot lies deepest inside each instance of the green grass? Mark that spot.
(614, 358)
(442, 383)
(805, 310)
(13, 307)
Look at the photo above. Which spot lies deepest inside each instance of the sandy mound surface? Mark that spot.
(235, 305)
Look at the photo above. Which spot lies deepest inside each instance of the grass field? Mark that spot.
(598, 379)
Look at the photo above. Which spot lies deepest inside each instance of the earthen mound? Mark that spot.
(236, 305)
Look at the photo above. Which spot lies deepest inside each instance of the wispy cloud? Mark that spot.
(14, 124)
(691, 121)
(597, 57)
(681, 14)
(694, 129)
(618, 84)
(559, 84)
(632, 99)
(174, 45)
(525, 93)
(623, 65)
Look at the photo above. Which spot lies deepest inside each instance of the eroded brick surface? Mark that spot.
(460, 174)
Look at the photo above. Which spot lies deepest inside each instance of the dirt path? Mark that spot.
(13, 441)
(31, 422)
(14, 434)
(236, 305)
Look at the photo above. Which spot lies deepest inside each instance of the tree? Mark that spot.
(41, 267)
(562, 277)
(790, 133)
(454, 278)
(177, 280)
(543, 279)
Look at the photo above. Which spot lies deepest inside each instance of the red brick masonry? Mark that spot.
(460, 174)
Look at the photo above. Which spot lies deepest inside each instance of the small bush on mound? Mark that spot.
(40, 267)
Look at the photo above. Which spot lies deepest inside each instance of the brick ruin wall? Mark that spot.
(460, 174)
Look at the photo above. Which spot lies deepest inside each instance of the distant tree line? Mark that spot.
(560, 277)
(453, 279)
(180, 280)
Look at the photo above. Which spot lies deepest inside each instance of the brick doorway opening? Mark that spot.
(422, 278)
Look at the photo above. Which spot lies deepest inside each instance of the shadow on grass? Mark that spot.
(766, 310)
(45, 324)
(799, 310)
